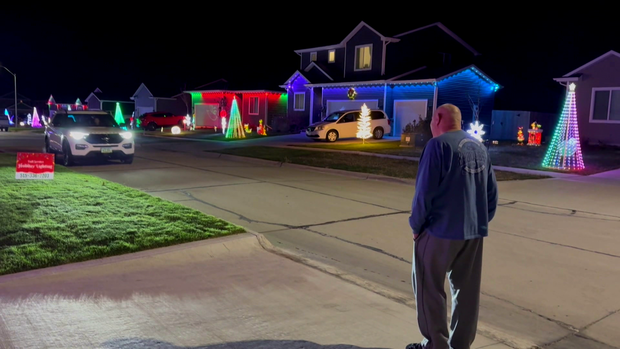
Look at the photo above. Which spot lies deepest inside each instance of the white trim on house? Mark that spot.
(372, 83)
(94, 95)
(295, 101)
(329, 54)
(355, 68)
(235, 91)
(594, 90)
(592, 62)
(316, 56)
(314, 65)
(347, 38)
(290, 80)
(142, 85)
(476, 69)
(569, 79)
(445, 29)
(407, 73)
(250, 98)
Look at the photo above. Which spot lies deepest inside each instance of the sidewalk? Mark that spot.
(222, 293)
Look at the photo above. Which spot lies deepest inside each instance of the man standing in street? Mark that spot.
(455, 198)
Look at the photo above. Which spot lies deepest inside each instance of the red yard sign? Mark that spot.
(34, 166)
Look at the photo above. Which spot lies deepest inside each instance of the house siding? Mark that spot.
(399, 92)
(605, 73)
(299, 118)
(317, 107)
(176, 106)
(363, 93)
(143, 99)
(93, 103)
(363, 37)
(458, 88)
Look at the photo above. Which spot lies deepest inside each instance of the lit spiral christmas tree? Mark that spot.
(564, 152)
(235, 126)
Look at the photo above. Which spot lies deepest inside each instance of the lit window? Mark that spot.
(332, 56)
(312, 56)
(606, 105)
(363, 57)
(300, 101)
(253, 105)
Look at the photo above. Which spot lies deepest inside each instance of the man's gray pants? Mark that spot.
(461, 261)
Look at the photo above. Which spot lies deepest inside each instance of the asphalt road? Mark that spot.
(551, 265)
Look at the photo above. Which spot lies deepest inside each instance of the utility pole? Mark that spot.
(15, 86)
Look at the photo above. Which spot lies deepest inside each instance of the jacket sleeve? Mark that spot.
(426, 185)
(492, 194)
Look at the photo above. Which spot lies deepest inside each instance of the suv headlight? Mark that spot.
(78, 135)
(126, 135)
(319, 128)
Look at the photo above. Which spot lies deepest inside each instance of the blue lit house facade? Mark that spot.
(408, 76)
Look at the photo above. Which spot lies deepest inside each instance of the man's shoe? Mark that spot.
(415, 346)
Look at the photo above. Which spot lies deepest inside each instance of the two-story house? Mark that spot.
(407, 75)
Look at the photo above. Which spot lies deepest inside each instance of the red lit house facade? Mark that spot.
(213, 101)
(55, 106)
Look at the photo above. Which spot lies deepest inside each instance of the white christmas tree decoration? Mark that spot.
(363, 124)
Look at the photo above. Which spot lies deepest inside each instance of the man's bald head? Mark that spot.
(446, 118)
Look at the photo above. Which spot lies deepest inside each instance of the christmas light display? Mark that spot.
(247, 128)
(535, 135)
(175, 130)
(118, 115)
(351, 93)
(6, 112)
(29, 119)
(564, 153)
(520, 137)
(475, 129)
(78, 102)
(262, 129)
(363, 124)
(51, 100)
(36, 122)
(224, 125)
(235, 126)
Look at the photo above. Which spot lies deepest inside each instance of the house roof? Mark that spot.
(317, 72)
(106, 97)
(592, 62)
(420, 76)
(293, 77)
(247, 85)
(361, 25)
(445, 29)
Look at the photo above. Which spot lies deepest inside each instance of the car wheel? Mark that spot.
(332, 136)
(47, 146)
(377, 133)
(67, 157)
(127, 160)
(151, 126)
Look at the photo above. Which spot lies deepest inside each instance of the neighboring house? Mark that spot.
(597, 95)
(146, 102)
(212, 101)
(25, 105)
(97, 100)
(54, 106)
(407, 75)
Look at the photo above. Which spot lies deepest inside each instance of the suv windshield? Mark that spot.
(334, 116)
(87, 120)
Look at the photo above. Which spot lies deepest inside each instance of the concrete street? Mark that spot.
(552, 262)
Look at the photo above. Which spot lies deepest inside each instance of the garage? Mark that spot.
(333, 105)
(207, 115)
(406, 111)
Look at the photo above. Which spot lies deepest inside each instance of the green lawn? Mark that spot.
(77, 217)
(596, 158)
(386, 147)
(348, 162)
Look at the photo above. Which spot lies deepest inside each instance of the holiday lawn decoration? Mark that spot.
(564, 152)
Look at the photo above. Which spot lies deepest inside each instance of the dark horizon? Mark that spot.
(71, 58)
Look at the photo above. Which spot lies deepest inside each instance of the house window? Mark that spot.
(253, 106)
(312, 56)
(363, 57)
(605, 105)
(300, 101)
(332, 56)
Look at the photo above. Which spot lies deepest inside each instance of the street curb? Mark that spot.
(359, 175)
(399, 297)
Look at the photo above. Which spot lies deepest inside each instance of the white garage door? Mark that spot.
(207, 115)
(406, 111)
(333, 106)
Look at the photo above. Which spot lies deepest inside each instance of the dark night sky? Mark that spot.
(68, 54)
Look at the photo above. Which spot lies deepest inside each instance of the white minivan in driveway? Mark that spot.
(343, 124)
